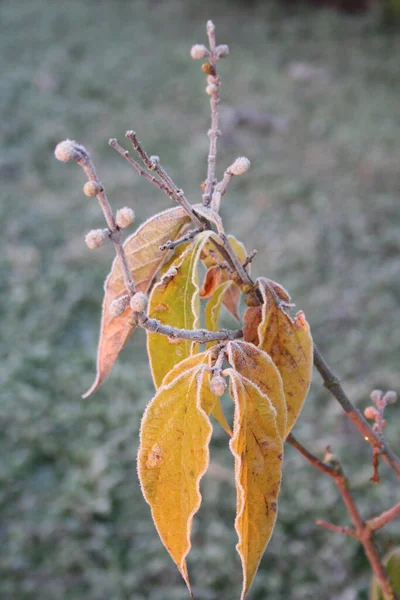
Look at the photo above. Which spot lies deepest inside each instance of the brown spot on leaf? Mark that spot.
(155, 457)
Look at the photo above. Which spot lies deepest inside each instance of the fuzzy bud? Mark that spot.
(92, 188)
(124, 217)
(222, 51)
(69, 150)
(139, 302)
(240, 166)
(390, 397)
(198, 52)
(218, 385)
(370, 412)
(118, 306)
(211, 89)
(208, 69)
(96, 238)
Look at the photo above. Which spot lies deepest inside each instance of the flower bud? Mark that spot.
(218, 385)
(69, 150)
(207, 68)
(92, 188)
(222, 51)
(124, 217)
(139, 302)
(240, 166)
(211, 89)
(96, 238)
(370, 412)
(118, 306)
(390, 397)
(198, 52)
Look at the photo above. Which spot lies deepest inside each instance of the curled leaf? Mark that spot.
(211, 281)
(173, 453)
(211, 258)
(175, 301)
(258, 451)
(288, 342)
(144, 259)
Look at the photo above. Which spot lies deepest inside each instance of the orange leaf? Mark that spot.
(145, 259)
(212, 257)
(255, 365)
(174, 455)
(289, 344)
(211, 281)
(258, 451)
(252, 319)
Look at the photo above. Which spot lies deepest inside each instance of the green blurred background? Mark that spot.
(312, 98)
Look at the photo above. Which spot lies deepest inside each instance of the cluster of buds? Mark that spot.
(138, 304)
(215, 53)
(218, 385)
(376, 413)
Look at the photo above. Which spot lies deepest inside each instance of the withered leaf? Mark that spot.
(145, 259)
(174, 455)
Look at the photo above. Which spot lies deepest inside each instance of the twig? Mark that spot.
(249, 258)
(362, 531)
(384, 518)
(70, 150)
(171, 244)
(332, 383)
(125, 154)
(152, 163)
(336, 528)
(195, 335)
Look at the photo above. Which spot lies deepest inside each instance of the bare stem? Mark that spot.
(195, 335)
(83, 159)
(171, 244)
(384, 518)
(214, 102)
(378, 443)
(152, 163)
(362, 531)
(336, 528)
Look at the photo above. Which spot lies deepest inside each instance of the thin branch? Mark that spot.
(214, 132)
(362, 531)
(152, 163)
(125, 154)
(70, 150)
(195, 335)
(172, 244)
(384, 518)
(336, 528)
(332, 383)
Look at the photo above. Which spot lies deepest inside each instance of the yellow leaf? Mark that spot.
(144, 259)
(175, 302)
(211, 257)
(219, 415)
(289, 344)
(258, 451)
(213, 307)
(255, 365)
(173, 453)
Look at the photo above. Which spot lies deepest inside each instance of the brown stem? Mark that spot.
(384, 518)
(362, 531)
(332, 383)
(336, 528)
